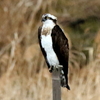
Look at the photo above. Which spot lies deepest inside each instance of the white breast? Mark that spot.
(46, 42)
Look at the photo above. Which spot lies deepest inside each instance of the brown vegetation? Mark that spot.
(23, 72)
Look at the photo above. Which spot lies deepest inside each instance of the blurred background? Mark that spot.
(23, 72)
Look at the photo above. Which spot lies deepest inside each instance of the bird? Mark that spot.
(54, 46)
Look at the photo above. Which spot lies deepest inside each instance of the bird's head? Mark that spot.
(49, 17)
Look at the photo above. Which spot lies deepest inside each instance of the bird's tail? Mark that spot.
(63, 80)
(68, 87)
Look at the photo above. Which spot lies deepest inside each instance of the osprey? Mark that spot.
(54, 46)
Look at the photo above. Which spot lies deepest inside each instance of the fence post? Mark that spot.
(56, 84)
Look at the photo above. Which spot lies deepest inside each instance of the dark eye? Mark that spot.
(46, 17)
(50, 18)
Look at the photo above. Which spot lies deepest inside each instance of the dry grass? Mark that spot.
(18, 86)
(23, 72)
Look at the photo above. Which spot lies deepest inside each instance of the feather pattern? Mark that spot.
(54, 46)
(61, 48)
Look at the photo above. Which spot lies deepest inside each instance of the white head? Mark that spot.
(47, 17)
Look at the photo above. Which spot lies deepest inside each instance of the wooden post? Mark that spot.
(56, 84)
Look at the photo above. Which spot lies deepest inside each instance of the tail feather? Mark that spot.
(68, 87)
(64, 81)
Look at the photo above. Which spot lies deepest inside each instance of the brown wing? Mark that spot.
(61, 48)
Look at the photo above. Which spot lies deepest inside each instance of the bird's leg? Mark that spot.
(50, 69)
(58, 66)
(55, 68)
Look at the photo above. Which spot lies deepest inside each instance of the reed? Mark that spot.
(23, 71)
